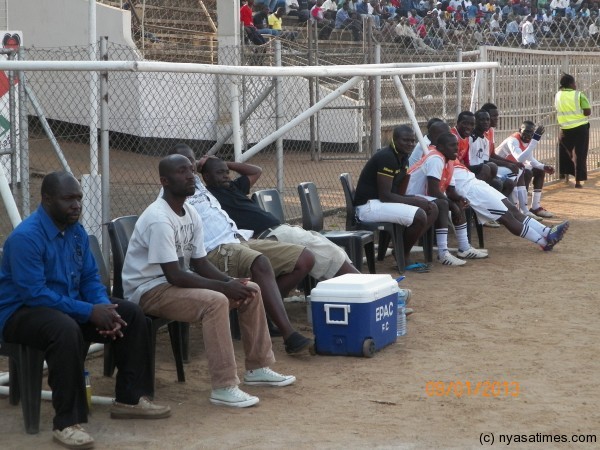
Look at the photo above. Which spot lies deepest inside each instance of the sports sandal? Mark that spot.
(417, 267)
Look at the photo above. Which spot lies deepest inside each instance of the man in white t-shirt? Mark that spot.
(167, 273)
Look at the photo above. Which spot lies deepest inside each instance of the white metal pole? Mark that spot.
(93, 89)
(8, 199)
(279, 118)
(376, 99)
(409, 111)
(235, 117)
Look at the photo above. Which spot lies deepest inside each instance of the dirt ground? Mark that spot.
(520, 318)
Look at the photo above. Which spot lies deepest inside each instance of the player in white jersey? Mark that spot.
(490, 204)
(432, 177)
(520, 147)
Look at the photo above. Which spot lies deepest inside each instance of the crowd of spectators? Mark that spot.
(428, 25)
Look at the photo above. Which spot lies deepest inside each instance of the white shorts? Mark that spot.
(505, 173)
(485, 201)
(377, 211)
(328, 256)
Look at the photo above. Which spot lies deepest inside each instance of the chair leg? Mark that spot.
(479, 233)
(370, 253)
(384, 242)
(398, 241)
(354, 251)
(31, 363)
(109, 360)
(234, 325)
(428, 239)
(14, 391)
(175, 333)
(153, 330)
(185, 342)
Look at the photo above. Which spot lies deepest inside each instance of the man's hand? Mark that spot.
(238, 291)
(202, 160)
(540, 130)
(549, 170)
(107, 320)
(514, 167)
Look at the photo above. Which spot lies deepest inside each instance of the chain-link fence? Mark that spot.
(185, 30)
(148, 112)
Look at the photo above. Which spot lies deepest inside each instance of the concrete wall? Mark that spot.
(63, 23)
(149, 105)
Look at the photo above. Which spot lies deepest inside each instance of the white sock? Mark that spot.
(522, 194)
(535, 198)
(513, 197)
(538, 227)
(531, 235)
(441, 235)
(462, 237)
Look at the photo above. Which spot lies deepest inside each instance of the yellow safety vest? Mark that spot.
(568, 109)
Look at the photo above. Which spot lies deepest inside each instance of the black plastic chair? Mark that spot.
(270, 201)
(353, 241)
(120, 231)
(26, 367)
(387, 230)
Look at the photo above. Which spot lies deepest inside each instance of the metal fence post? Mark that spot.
(376, 103)
(279, 118)
(23, 140)
(12, 114)
(459, 75)
(104, 149)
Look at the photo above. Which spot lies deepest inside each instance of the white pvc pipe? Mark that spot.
(93, 55)
(303, 71)
(298, 119)
(47, 395)
(8, 199)
(236, 127)
(410, 112)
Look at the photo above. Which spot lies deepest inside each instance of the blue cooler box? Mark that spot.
(354, 314)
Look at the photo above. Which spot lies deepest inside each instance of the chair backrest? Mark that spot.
(102, 269)
(120, 231)
(346, 180)
(312, 213)
(269, 200)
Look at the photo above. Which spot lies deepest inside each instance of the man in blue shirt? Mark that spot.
(51, 298)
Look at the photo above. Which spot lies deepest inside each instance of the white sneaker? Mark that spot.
(472, 253)
(541, 212)
(73, 437)
(267, 377)
(232, 396)
(492, 224)
(533, 216)
(450, 260)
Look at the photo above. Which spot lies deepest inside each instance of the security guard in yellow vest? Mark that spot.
(572, 111)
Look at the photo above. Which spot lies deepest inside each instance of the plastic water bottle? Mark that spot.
(401, 319)
(88, 388)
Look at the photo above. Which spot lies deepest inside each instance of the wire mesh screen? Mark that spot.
(524, 87)
(148, 112)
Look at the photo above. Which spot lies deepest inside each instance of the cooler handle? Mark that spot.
(329, 321)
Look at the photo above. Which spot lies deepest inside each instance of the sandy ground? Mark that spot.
(520, 317)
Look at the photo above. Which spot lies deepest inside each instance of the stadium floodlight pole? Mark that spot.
(409, 111)
(300, 118)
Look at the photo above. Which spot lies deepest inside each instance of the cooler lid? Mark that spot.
(359, 288)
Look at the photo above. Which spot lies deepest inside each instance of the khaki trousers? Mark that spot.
(211, 308)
